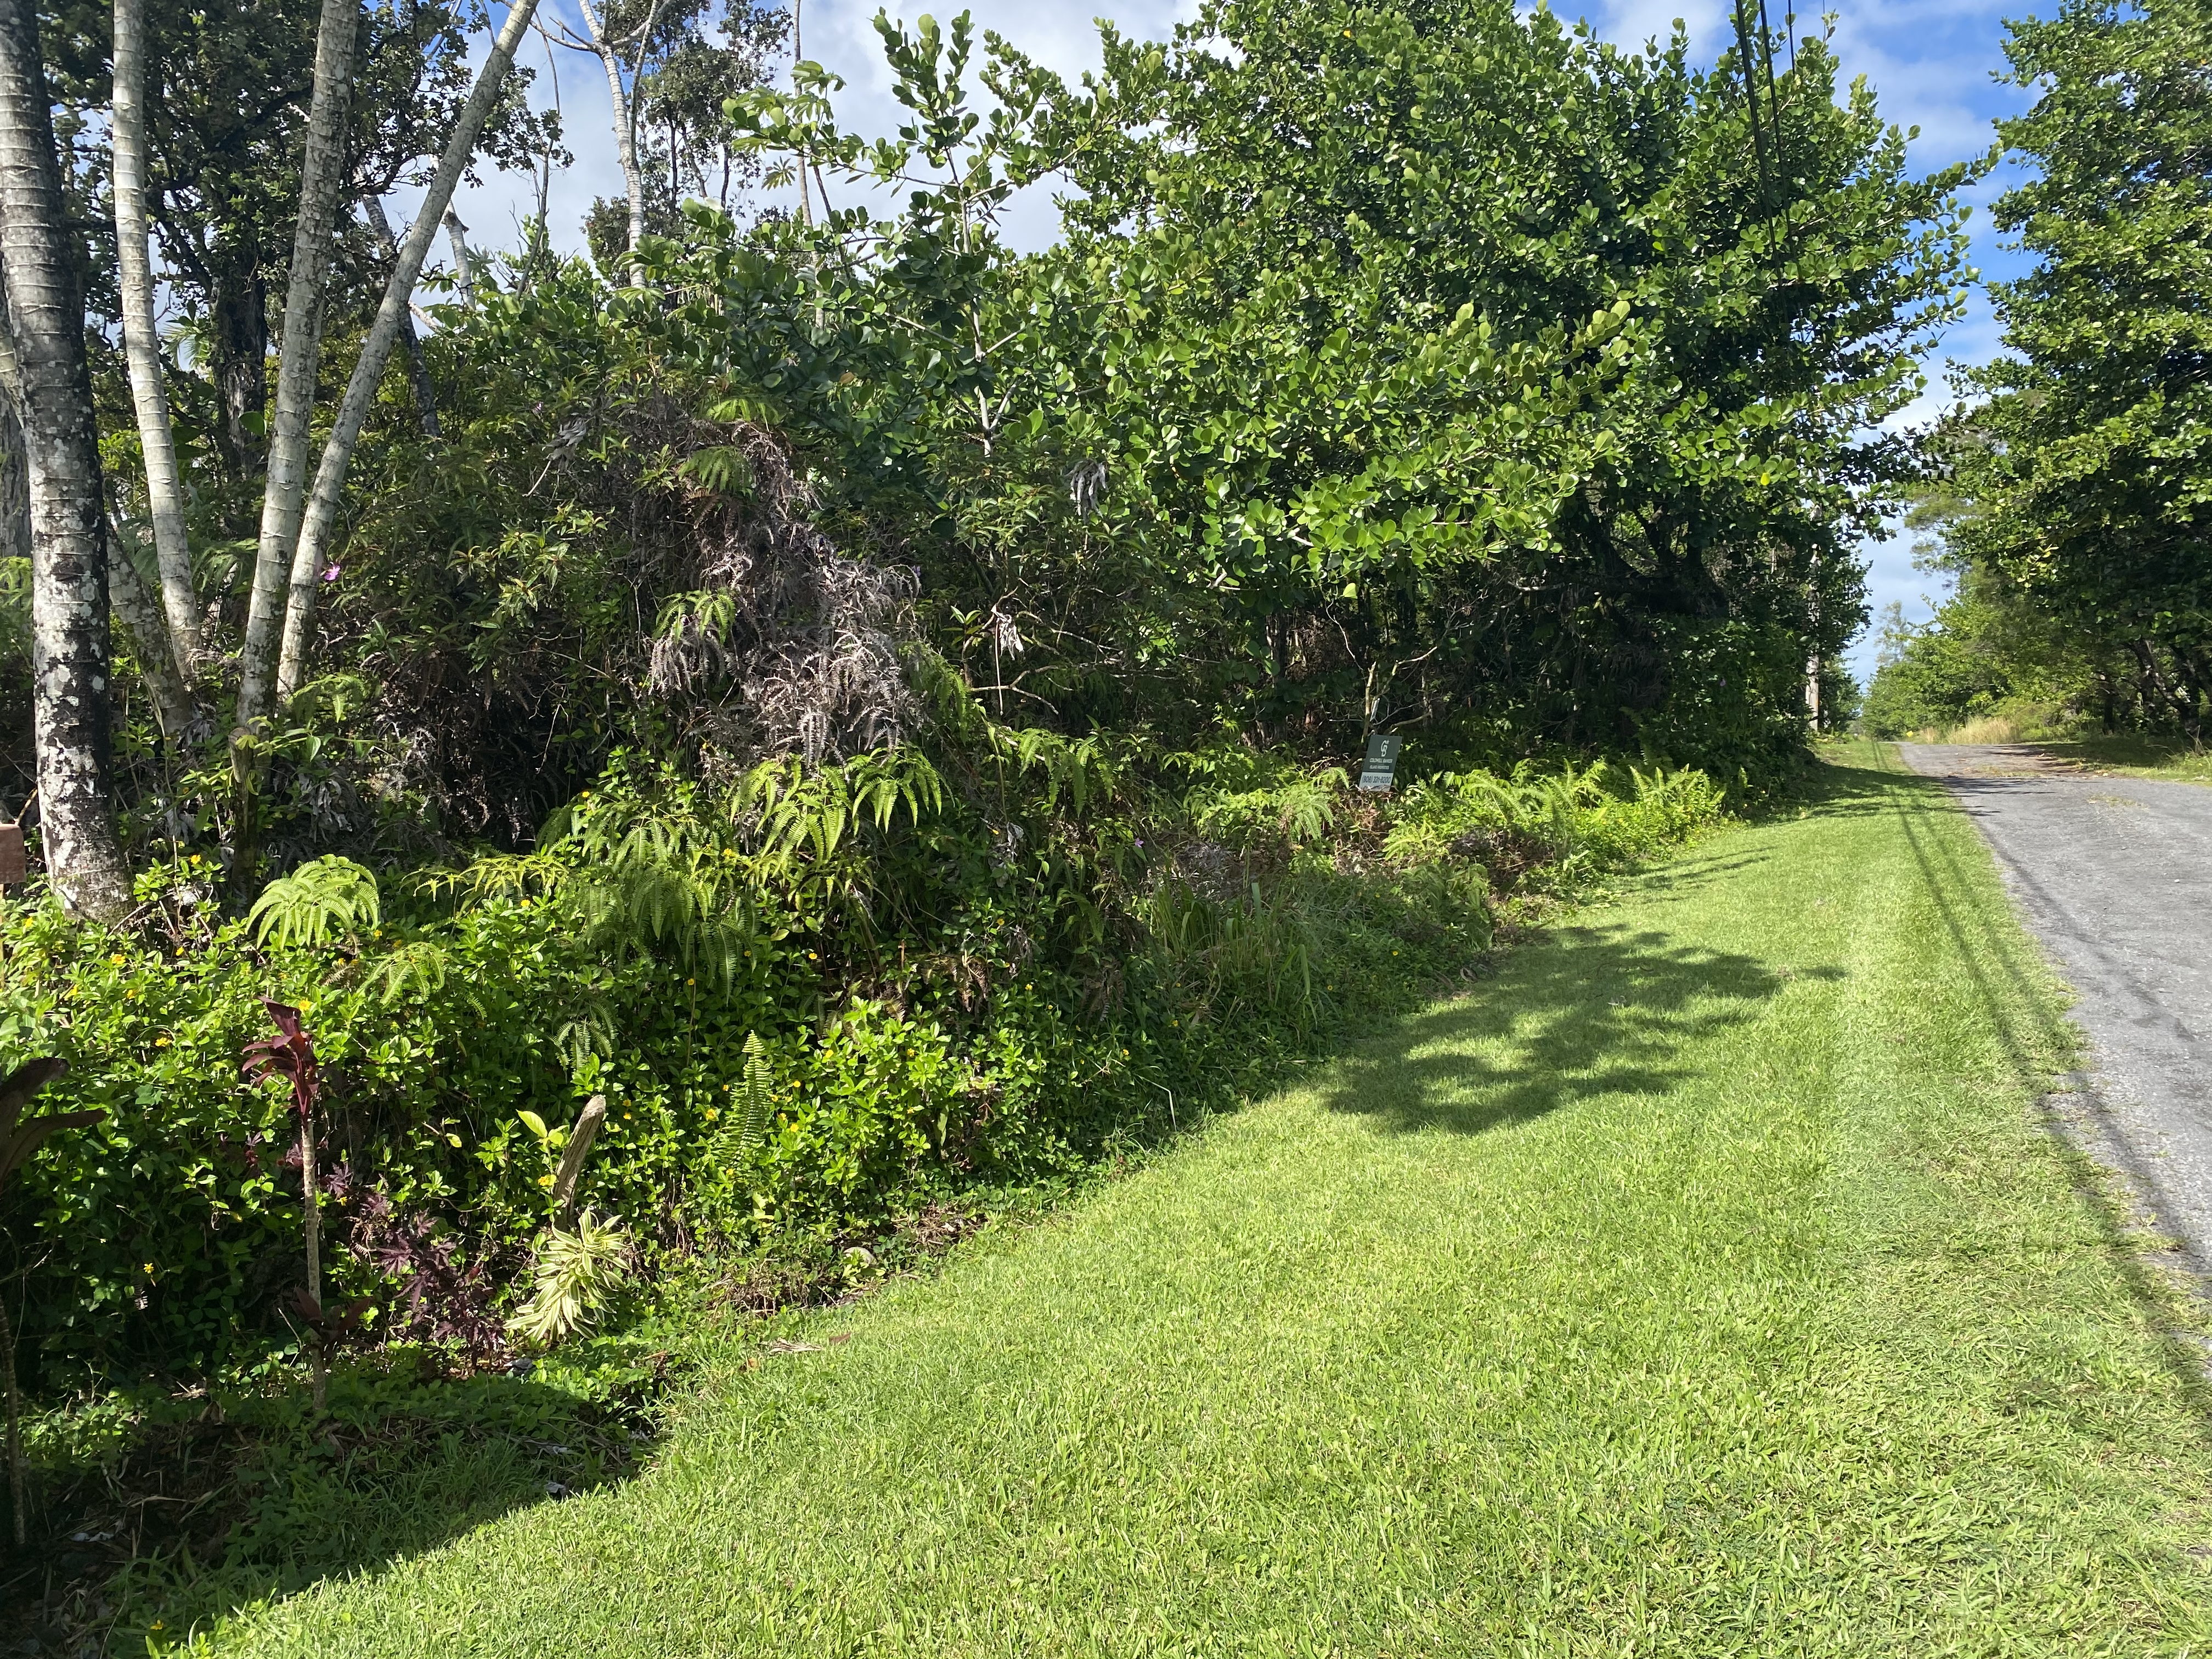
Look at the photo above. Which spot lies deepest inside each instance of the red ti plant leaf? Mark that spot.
(289, 1054)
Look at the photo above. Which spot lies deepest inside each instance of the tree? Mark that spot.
(315, 531)
(69, 545)
(228, 92)
(1426, 363)
(142, 342)
(321, 179)
(2090, 464)
(667, 82)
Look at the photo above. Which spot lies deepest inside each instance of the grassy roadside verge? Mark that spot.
(2169, 759)
(1702, 1283)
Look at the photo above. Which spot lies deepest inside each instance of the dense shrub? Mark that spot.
(955, 978)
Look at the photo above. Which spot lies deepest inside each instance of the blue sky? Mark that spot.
(1930, 62)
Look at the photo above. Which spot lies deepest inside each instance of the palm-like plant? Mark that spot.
(291, 1055)
(575, 1274)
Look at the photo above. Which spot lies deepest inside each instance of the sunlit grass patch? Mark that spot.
(1702, 1283)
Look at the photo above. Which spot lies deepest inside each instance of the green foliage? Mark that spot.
(324, 899)
(745, 1119)
(574, 1278)
(2089, 462)
(882, 982)
(1566, 825)
(1940, 675)
(1491, 416)
(1249, 799)
(1993, 657)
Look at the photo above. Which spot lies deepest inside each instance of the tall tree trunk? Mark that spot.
(68, 562)
(376, 350)
(418, 372)
(142, 346)
(322, 173)
(625, 136)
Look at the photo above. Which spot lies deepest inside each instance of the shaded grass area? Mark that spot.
(158, 1501)
(164, 1506)
(2171, 758)
(1703, 1283)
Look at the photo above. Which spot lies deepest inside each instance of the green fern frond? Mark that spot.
(326, 899)
(749, 1114)
(589, 1031)
(418, 967)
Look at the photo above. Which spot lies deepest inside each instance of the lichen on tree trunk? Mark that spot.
(68, 548)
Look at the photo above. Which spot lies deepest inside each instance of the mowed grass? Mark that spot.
(1703, 1283)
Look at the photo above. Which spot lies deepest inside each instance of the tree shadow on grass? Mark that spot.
(183, 1518)
(1834, 789)
(1593, 1011)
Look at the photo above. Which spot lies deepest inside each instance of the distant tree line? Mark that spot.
(2076, 499)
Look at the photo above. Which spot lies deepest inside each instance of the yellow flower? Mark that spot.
(160, 1042)
(546, 1180)
(118, 959)
(713, 1112)
(150, 1267)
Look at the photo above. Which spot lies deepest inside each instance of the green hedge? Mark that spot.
(1004, 1034)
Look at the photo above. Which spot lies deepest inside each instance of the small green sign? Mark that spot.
(1382, 762)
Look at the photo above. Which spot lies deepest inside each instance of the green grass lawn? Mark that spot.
(2138, 757)
(1702, 1283)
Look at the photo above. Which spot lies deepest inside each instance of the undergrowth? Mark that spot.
(836, 1017)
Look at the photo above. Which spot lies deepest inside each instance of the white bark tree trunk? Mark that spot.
(68, 573)
(418, 372)
(465, 264)
(376, 351)
(142, 346)
(625, 135)
(322, 173)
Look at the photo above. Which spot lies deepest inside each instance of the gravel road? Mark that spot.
(2114, 875)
